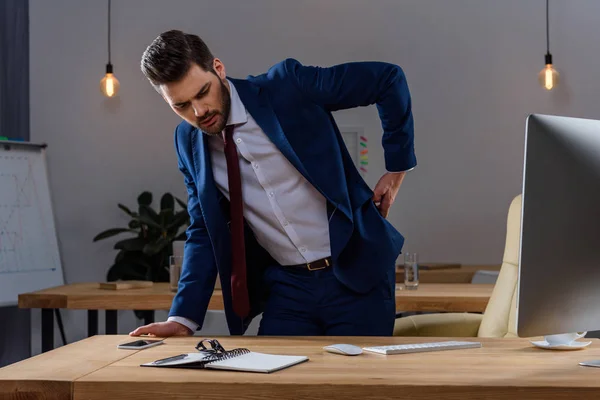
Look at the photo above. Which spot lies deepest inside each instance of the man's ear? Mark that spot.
(219, 69)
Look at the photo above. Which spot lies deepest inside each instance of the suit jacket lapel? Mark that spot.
(208, 194)
(258, 105)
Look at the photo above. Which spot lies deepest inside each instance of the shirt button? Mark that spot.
(255, 165)
(285, 223)
(303, 249)
(271, 194)
(238, 140)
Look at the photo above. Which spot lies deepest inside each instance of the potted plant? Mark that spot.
(145, 255)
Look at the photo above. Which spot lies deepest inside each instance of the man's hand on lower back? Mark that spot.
(386, 190)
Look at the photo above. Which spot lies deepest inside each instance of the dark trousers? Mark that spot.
(315, 303)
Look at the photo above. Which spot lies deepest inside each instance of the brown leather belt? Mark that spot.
(315, 265)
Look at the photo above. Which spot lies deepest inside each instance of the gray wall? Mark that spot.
(471, 65)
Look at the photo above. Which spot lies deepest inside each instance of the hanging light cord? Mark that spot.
(547, 30)
(109, 31)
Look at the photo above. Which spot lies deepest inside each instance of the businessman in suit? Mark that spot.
(276, 205)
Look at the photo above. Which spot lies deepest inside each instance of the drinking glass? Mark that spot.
(411, 271)
(175, 263)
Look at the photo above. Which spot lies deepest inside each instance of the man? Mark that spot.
(276, 205)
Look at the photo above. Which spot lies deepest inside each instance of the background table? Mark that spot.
(501, 369)
(455, 297)
(464, 274)
(87, 296)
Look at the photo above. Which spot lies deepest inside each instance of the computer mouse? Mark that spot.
(344, 349)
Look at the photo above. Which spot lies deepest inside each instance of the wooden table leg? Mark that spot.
(61, 328)
(148, 317)
(47, 329)
(92, 322)
(111, 322)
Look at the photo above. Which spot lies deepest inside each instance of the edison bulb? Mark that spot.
(109, 85)
(548, 77)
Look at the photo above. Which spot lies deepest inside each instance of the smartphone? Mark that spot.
(140, 344)
(590, 363)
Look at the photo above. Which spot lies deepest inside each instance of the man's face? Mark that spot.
(201, 98)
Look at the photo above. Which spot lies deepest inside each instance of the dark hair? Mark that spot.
(171, 54)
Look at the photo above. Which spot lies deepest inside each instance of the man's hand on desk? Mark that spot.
(162, 329)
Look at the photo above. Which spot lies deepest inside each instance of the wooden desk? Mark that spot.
(464, 274)
(502, 368)
(51, 375)
(87, 296)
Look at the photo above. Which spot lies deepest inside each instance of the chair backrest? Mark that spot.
(485, 277)
(499, 318)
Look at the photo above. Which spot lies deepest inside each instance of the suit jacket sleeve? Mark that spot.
(361, 84)
(199, 271)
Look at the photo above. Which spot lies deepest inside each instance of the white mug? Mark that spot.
(564, 338)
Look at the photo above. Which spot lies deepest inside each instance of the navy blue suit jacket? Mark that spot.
(292, 104)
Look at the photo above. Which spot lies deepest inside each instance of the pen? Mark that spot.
(174, 358)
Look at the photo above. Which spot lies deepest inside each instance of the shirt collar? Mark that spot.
(237, 111)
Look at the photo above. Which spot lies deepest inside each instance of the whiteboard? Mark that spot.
(29, 254)
(351, 135)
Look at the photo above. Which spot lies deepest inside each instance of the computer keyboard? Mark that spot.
(422, 347)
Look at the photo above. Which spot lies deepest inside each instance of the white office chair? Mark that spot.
(483, 277)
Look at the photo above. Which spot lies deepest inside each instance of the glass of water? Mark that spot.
(411, 271)
(175, 263)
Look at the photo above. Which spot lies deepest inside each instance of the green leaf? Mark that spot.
(120, 256)
(127, 210)
(134, 224)
(147, 211)
(136, 257)
(156, 247)
(167, 202)
(166, 218)
(148, 221)
(145, 199)
(133, 244)
(123, 271)
(111, 232)
(181, 203)
(140, 261)
(181, 218)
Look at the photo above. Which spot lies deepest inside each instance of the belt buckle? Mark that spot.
(317, 268)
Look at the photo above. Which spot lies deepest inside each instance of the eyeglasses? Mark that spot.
(216, 347)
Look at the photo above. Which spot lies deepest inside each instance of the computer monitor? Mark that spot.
(559, 260)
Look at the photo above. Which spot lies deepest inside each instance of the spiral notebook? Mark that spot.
(233, 360)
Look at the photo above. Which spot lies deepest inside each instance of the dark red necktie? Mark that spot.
(239, 288)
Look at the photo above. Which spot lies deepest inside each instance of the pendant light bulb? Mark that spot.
(109, 85)
(548, 77)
